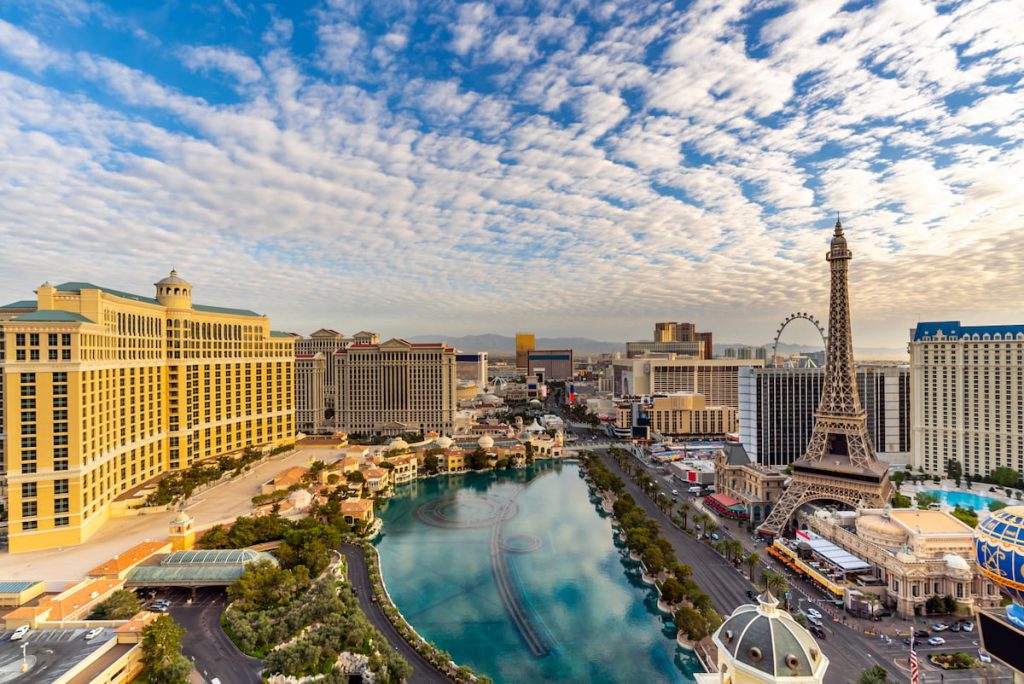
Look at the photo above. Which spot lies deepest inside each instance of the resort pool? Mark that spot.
(963, 499)
(518, 575)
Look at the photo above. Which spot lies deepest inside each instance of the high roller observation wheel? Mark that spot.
(789, 319)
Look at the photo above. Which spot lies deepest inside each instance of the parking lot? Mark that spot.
(49, 652)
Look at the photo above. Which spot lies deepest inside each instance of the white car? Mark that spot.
(984, 657)
(968, 627)
(811, 612)
(939, 627)
(936, 641)
(20, 633)
(93, 633)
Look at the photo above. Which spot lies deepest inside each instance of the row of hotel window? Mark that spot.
(32, 340)
(30, 509)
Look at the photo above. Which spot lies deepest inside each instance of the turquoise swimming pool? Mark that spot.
(518, 574)
(963, 499)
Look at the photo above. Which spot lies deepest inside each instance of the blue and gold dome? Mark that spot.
(999, 549)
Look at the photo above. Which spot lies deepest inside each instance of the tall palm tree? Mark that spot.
(684, 513)
(751, 560)
(776, 583)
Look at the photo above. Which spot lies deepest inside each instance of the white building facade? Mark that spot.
(967, 396)
(310, 392)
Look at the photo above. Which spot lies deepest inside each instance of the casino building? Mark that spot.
(104, 390)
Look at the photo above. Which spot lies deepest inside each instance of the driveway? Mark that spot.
(206, 644)
(359, 575)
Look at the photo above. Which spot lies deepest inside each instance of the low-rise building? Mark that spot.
(376, 478)
(916, 555)
(757, 488)
(356, 509)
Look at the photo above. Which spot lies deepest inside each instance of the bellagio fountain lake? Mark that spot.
(519, 575)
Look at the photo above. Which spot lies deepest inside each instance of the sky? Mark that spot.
(561, 167)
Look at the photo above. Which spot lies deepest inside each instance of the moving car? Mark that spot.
(984, 657)
(693, 490)
(20, 633)
(921, 634)
(939, 627)
(751, 594)
(93, 633)
(817, 631)
(936, 641)
(811, 612)
(814, 621)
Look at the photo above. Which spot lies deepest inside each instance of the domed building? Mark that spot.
(486, 442)
(443, 442)
(761, 644)
(999, 549)
(398, 444)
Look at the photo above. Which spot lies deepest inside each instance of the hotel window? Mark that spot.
(28, 490)
(52, 339)
(33, 355)
(33, 339)
(29, 525)
(19, 339)
(60, 486)
(61, 505)
(62, 521)
(29, 509)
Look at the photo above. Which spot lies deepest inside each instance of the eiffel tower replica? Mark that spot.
(839, 463)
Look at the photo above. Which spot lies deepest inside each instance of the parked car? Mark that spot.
(984, 657)
(811, 612)
(817, 631)
(956, 627)
(751, 594)
(936, 641)
(907, 641)
(715, 536)
(939, 627)
(93, 633)
(968, 627)
(921, 634)
(20, 633)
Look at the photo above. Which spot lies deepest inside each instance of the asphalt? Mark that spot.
(359, 575)
(206, 644)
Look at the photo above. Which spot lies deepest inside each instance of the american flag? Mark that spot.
(915, 670)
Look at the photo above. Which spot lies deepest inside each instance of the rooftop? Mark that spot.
(133, 556)
(12, 587)
(955, 330)
(196, 568)
(52, 316)
(77, 287)
(929, 522)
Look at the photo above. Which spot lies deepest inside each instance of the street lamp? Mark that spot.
(24, 658)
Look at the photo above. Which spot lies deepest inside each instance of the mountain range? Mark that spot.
(504, 345)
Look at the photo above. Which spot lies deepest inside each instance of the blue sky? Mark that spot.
(572, 168)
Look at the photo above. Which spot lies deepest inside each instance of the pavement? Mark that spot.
(221, 503)
(211, 651)
(359, 575)
(51, 653)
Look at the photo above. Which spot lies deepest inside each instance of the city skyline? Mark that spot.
(572, 171)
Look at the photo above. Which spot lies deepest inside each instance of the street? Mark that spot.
(206, 644)
(358, 574)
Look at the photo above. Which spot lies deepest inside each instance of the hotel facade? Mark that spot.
(104, 390)
(396, 387)
(967, 389)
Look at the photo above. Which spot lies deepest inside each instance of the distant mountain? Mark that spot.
(505, 345)
(863, 353)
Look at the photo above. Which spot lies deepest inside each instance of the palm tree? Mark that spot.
(776, 583)
(752, 560)
(684, 513)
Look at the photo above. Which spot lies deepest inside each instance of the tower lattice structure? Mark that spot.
(839, 463)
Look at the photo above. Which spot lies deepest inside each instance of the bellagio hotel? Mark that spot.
(104, 390)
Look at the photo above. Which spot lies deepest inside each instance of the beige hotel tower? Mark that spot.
(104, 390)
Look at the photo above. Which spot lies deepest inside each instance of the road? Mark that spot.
(358, 574)
(846, 649)
(206, 644)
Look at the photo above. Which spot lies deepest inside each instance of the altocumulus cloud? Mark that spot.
(567, 167)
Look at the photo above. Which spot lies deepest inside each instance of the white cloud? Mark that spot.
(207, 58)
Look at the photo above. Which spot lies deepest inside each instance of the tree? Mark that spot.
(691, 623)
(898, 477)
(431, 463)
(966, 515)
(752, 560)
(265, 585)
(901, 501)
(120, 605)
(876, 674)
(1005, 477)
(775, 582)
(996, 505)
(949, 604)
(161, 651)
(684, 513)
(356, 477)
(924, 500)
(954, 471)
(672, 591)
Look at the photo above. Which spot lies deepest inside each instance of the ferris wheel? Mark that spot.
(789, 319)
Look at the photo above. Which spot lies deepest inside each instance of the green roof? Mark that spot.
(279, 333)
(13, 587)
(194, 568)
(53, 316)
(78, 287)
(22, 304)
(224, 310)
